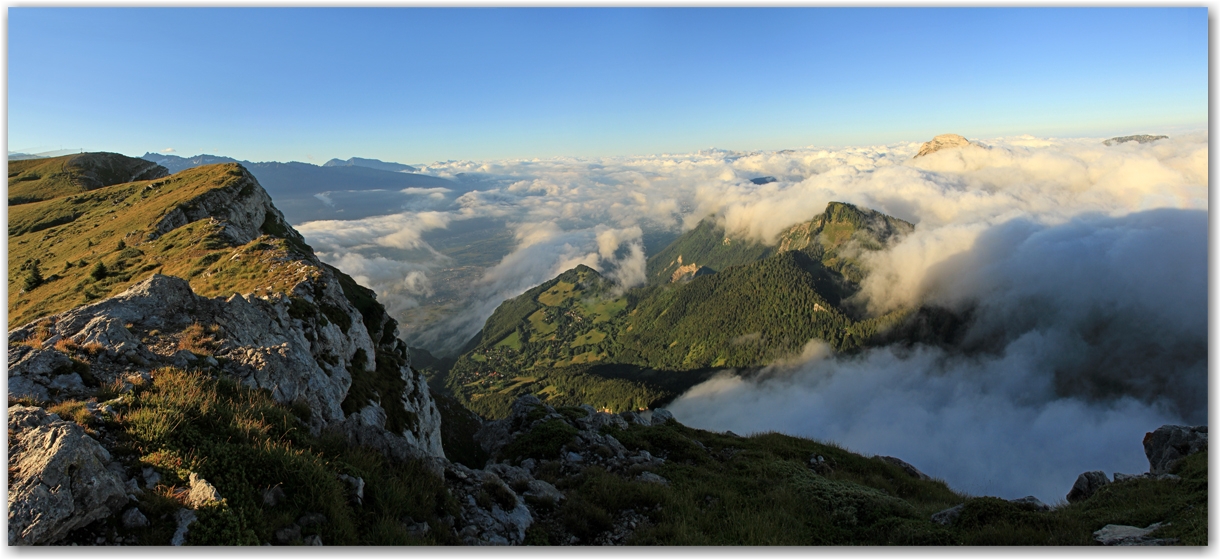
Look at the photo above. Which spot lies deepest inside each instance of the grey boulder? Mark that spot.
(1171, 443)
(59, 478)
(1086, 485)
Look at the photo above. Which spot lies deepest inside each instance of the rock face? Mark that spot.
(260, 342)
(941, 142)
(502, 500)
(242, 207)
(1171, 443)
(1086, 485)
(59, 478)
(1138, 138)
(1117, 534)
(316, 341)
(306, 346)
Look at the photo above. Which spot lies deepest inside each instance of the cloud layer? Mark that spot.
(1085, 266)
(1086, 335)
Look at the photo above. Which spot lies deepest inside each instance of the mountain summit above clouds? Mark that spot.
(943, 141)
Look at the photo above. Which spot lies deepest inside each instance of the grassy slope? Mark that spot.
(243, 443)
(761, 490)
(238, 439)
(68, 235)
(32, 180)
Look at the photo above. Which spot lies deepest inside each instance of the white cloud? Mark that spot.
(169, 150)
(1051, 240)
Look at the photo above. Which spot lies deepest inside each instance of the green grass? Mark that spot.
(761, 490)
(603, 310)
(511, 341)
(556, 295)
(68, 235)
(589, 338)
(540, 327)
(243, 442)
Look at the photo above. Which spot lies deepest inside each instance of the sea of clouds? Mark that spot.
(1083, 265)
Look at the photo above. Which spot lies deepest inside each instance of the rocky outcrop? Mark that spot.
(1138, 138)
(308, 346)
(1086, 485)
(303, 359)
(501, 501)
(1117, 534)
(43, 374)
(60, 479)
(909, 469)
(1170, 443)
(242, 207)
(492, 513)
(943, 142)
(690, 272)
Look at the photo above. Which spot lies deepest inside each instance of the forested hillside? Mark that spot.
(574, 339)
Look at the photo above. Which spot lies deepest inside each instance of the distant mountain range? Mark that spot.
(300, 189)
(370, 163)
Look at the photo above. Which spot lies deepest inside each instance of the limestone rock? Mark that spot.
(543, 491)
(941, 142)
(201, 493)
(1171, 443)
(484, 523)
(184, 518)
(133, 518)
(1117, 534)
(909, 469)
(660, 417)
(1086, 485)
(264, 347)
(59, 478)
(1031, 502)
(948, 516)
(355, 488)
(44, 374)
(649, 477)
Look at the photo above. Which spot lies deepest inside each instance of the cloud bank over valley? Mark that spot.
(1083, 267)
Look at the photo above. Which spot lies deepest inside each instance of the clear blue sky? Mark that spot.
(420, 85)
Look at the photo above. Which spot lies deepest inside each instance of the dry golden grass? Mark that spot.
(195, 339)
(66, 345)
(41, 333)
(73, 410)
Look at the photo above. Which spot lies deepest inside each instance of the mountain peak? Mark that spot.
(1138, 138)
(941, 142)
(370, 163)
(34, 180)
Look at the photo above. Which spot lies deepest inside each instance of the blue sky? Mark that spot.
(420, 85)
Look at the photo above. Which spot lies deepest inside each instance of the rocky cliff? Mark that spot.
(289, 326)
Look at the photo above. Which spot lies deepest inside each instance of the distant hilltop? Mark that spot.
(942, 142)
(371, 163)
(1138, 138)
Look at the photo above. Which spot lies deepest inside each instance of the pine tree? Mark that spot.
(34, 278)
(99, 271)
